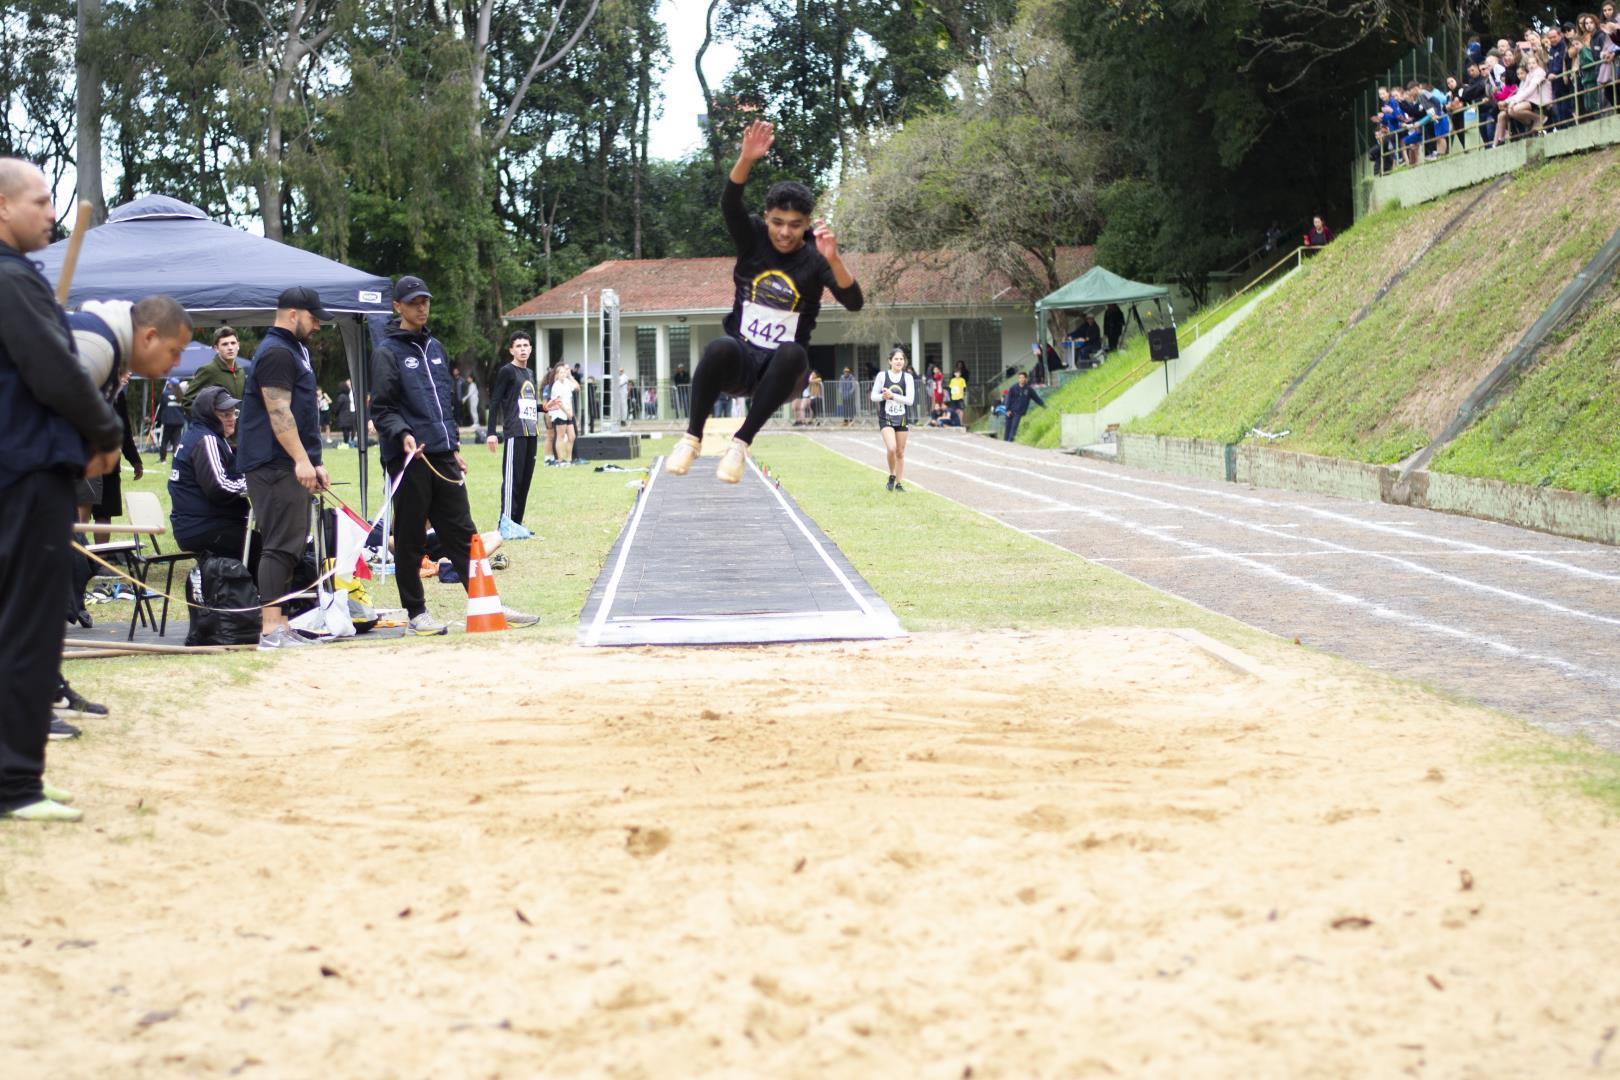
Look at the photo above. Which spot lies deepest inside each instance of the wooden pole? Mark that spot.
(143, 647)
(81, 225)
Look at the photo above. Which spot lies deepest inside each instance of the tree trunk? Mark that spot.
(711, 134)
(88, 112)
(639, 152)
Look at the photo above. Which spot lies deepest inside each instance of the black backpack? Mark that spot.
(222, 582)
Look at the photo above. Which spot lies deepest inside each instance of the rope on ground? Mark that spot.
(147, 591)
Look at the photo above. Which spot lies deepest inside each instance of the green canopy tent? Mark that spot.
(1097, 288)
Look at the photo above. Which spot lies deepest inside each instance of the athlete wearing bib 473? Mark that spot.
(515, 407)
(895, 390)
(779, 279)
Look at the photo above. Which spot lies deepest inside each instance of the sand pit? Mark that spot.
(998, 855)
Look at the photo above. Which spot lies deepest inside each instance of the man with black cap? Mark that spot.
(279, 451)
(207, 495)
(413, 404)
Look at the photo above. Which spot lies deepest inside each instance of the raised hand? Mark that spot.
(826, 240)
(757, 140)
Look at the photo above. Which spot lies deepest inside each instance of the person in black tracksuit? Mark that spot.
(207, 495)
(413, 404)
(1019, 395)
(514, 407)
(54, 428)
(779, 277)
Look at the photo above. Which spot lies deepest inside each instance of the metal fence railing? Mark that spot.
(1590, 88)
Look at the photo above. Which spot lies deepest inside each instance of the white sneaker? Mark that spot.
(680, 459)
(731, 466)
(514, 617)
(425, 625)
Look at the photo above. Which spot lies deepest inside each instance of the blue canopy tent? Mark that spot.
(222, 275)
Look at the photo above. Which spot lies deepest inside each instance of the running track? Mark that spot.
(1513, 619)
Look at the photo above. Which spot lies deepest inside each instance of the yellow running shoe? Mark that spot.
(55, 794)
(680, 459)
(736, 459)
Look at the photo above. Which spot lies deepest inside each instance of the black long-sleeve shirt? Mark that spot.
(514, 407)
(778, 297)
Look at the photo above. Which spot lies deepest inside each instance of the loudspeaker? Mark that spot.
(621, 447)
(1162, 344)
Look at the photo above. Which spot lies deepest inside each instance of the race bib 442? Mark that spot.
(768, 327)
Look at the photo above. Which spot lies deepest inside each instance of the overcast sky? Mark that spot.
(676, 132)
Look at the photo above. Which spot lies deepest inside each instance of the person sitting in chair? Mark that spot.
(207, 495)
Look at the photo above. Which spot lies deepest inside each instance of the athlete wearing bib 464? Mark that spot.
(779, 279)
(895, 390)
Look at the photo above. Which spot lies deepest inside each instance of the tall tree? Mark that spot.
(87, 96)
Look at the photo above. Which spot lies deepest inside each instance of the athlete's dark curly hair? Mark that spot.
(790, 195)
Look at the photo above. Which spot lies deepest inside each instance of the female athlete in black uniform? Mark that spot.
(894, 391)
(779, 279)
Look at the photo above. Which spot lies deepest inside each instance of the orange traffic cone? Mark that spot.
(484, 610)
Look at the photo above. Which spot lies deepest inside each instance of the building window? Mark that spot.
(680, 348)
(554, 346)
(866, 361)
(646, 358)
(933, 356)
(977, 343)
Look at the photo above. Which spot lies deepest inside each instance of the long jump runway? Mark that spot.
(700, 562)
(1513, 619)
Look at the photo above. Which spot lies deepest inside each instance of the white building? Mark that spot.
(671, 308)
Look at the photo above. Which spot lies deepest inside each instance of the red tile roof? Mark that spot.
(652, 286)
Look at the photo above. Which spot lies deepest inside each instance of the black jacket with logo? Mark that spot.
(412, 392)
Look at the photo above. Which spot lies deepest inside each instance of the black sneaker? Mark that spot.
(70, 703)
(899, 487)
(891, 481)
(61, 729)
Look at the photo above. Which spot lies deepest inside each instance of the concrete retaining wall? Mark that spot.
(1290, 471)
(1183, 457)
(1549, 510)
(1564, 513)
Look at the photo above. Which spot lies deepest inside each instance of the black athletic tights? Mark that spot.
(726, 367)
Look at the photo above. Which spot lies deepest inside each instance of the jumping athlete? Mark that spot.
(896, 390)
(779, 278)
(515, 406)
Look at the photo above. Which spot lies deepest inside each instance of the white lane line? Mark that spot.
(594, 635)
(1394, 528)
(843, 580)
(1371, 607)
(1266, 530)
(1291, 555)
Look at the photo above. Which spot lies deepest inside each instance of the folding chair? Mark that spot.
(145, 511)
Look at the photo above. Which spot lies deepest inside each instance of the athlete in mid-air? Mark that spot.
(779, 277)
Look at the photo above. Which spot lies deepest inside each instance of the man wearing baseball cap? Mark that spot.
(207, 495)
(413, 404)
(279, 450)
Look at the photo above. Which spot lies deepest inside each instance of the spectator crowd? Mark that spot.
(1548, 79)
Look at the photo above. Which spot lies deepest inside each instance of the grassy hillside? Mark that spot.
(1395, 379)
(1558, 426)
(1398, 377)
